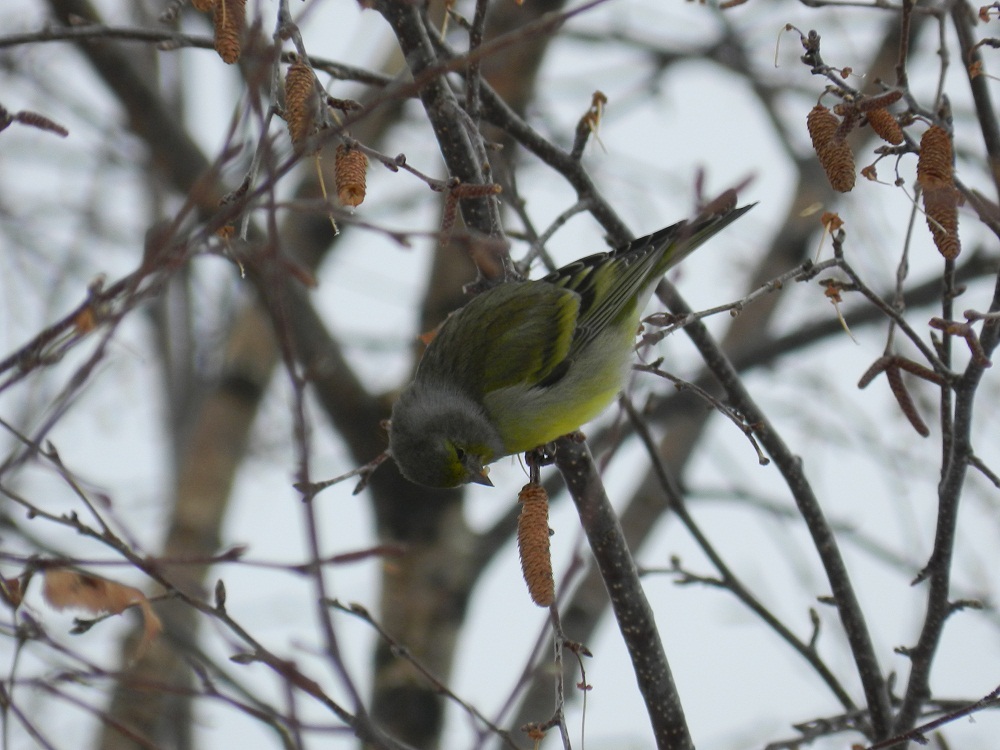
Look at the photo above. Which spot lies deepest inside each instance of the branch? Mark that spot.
(728, 579)
(918, 734)
(461, 148)
(958, 457)
(402, 652)
(790, 466)
(964, 20)
(628, 600)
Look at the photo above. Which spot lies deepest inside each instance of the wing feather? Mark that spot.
(530, 332)
(613, 285)
(514, 333)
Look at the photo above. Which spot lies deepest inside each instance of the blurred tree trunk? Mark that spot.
(425, 593)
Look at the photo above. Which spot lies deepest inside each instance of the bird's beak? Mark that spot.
(482, 477)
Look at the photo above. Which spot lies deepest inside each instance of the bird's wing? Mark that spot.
(529, 332)
(611, 285)
(514, 333)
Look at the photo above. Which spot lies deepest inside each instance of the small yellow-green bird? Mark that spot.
(528, 361)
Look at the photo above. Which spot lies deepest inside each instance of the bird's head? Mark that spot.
(442, 439)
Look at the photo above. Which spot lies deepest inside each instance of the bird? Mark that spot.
(528, 361)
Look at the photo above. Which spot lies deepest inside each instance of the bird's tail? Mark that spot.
(684, 237)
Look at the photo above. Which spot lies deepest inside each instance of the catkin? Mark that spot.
(350, 169)
(230, 20)
(934, 167)
(881, 101)
(935, 173)
(885, 125)
(300, 85)
(533, 544)
(835, 156)
(941, 208)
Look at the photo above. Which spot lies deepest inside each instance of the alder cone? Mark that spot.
(885, 126)
(533, 544)
(941, 208)
(936, 175)
(832, 150)
(350, 169)
(230, 18)
(934, 165)
(299, 88)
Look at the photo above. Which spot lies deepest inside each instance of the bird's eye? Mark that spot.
(459, 453)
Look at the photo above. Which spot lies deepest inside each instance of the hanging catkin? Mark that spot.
(835, 156)
(533, 544)
(350, 171)
(885, 125)
(935, 173)
(230, 20)
(300, 85)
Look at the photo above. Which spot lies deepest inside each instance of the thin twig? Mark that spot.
(400, 650)
(728, 579)
(790, 466)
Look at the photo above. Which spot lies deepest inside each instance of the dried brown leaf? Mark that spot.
(65, 588)
(831, 221)
(11, 591)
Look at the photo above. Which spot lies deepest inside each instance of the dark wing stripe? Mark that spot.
(608, 283)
